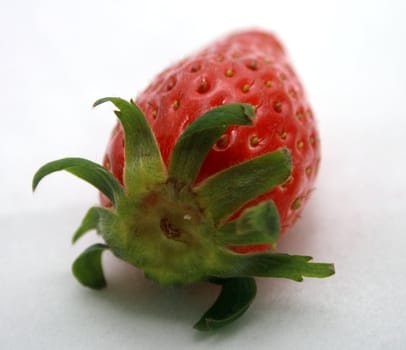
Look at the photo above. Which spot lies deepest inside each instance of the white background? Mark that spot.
(57, 57)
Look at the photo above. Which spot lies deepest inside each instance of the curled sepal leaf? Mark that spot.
(89, 171)
(196, 141)
(279, 265)
(92, 220)
(235, 298)
(256, 225)
(227, 191)
(87, 268)
(143, 160)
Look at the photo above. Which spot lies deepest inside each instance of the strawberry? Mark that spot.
(249, 67)
(203, 172)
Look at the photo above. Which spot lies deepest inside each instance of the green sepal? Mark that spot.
(259, 224)
(92, 221)
(225, 192)
(278, 265)
(87, 268)
(143, 162)
(235, 298)
(196, 141)
(89, 171)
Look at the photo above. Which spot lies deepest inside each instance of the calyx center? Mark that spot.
(170, 230)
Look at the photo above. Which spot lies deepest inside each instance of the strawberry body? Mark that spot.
(247, 67)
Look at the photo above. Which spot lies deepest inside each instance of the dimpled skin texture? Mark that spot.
(245, 67)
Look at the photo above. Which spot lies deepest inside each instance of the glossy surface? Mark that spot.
(249, 67)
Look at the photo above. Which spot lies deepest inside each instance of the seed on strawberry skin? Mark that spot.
(171, 84)
(222, 142)
(312, 140)
(287, 182)
(254, 141)
(107, 163)
(229, 73)
(245, 88)
(203, 86)
(277, 106)
(195, 68)
(297, 203)
(253, 65)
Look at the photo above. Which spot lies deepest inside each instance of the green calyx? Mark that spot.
(179, 233)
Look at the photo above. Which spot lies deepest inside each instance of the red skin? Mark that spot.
(203, 81)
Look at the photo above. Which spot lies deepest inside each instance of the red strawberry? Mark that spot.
(198, 187)
(248, 67)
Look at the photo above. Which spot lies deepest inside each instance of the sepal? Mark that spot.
(143, 162)
(227, 191)
(234, 299)
(92, 221)
(196, 141)
(277, 265)
(87, 170)
(87, 268)
(256, 225)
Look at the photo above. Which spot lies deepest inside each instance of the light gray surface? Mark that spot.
(58, 57)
